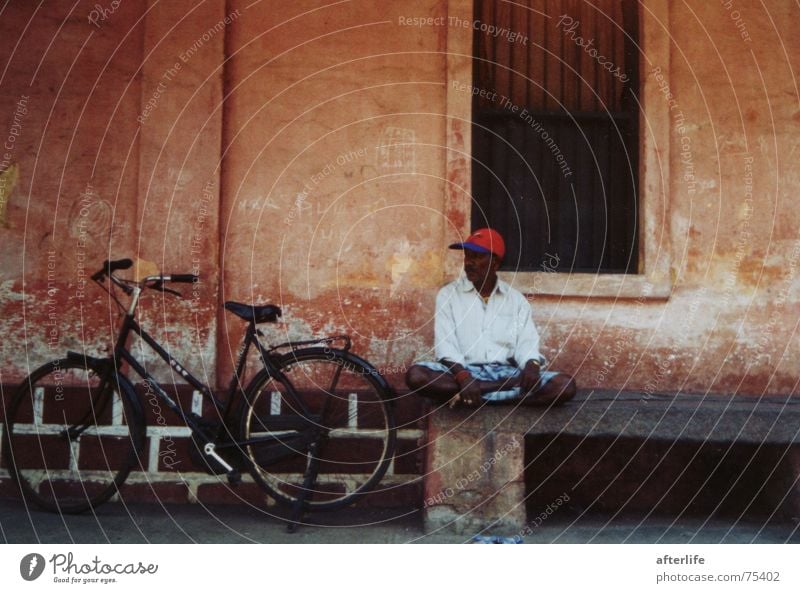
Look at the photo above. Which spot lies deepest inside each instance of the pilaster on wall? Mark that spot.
(458, 194)
(179, 175)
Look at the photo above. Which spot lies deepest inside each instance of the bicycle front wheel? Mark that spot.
(71, 438)
(343, 404)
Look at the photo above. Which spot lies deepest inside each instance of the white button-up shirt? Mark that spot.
(469, 331)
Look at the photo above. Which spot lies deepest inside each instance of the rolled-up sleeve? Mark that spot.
(527, 347)
(444, 329)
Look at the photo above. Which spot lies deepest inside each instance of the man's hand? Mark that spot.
(469, 393)
(530, 376)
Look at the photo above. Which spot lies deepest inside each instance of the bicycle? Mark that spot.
(314, 427)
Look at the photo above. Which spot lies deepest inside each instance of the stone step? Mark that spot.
(476, 457)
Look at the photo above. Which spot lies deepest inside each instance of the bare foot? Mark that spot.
(457, 400)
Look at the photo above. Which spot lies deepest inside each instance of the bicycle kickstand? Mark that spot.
(309, 480)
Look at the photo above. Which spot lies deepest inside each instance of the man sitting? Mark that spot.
(486, 342)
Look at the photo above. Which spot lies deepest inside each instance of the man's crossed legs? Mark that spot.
(497, 383)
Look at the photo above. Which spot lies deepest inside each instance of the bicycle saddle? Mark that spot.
(254, 313)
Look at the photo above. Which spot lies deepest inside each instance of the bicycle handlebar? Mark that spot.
(110, 266)
(133, 287)
(184, 278)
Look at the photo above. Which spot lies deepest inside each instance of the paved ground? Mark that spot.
(143, 523)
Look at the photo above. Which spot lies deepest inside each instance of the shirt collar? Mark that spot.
(464, 285)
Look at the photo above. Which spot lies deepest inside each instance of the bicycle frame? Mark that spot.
(303, 425)
(123, 354)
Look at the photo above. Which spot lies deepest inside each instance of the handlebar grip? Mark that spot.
(110, 266)
(185, 278)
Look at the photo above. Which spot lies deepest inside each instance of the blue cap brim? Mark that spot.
(471, 247)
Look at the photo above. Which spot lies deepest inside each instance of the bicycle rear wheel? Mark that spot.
(71, 439)
(351, 425)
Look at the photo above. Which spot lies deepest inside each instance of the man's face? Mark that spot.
(479, 266)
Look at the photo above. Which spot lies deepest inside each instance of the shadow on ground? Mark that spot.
(182, 524)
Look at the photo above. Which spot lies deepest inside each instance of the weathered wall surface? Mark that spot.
(321, 184)
(77, 150)
(334, 173)
(114, 122)
(730, 323)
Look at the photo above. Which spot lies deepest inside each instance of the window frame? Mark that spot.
(654, 278)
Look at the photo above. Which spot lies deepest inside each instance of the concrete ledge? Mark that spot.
(476, 458)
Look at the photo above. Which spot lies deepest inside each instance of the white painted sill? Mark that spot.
(627, 286)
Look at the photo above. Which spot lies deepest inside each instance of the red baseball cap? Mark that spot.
(484, 241)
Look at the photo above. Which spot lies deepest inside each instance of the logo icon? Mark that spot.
(31, 567)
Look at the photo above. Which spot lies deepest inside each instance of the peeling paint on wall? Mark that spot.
(8, 181)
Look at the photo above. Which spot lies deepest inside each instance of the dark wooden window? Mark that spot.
(555, 132)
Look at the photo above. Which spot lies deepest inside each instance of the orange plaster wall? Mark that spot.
(77, 151)
(104, 175)
(730, 324)
(323, 185)
(334, 174)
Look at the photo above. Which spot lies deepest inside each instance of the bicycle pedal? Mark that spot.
(234, 478)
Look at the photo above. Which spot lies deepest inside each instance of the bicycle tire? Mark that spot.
(72, 473)
(354, 415)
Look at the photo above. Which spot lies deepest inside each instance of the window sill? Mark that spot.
(635, 286)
